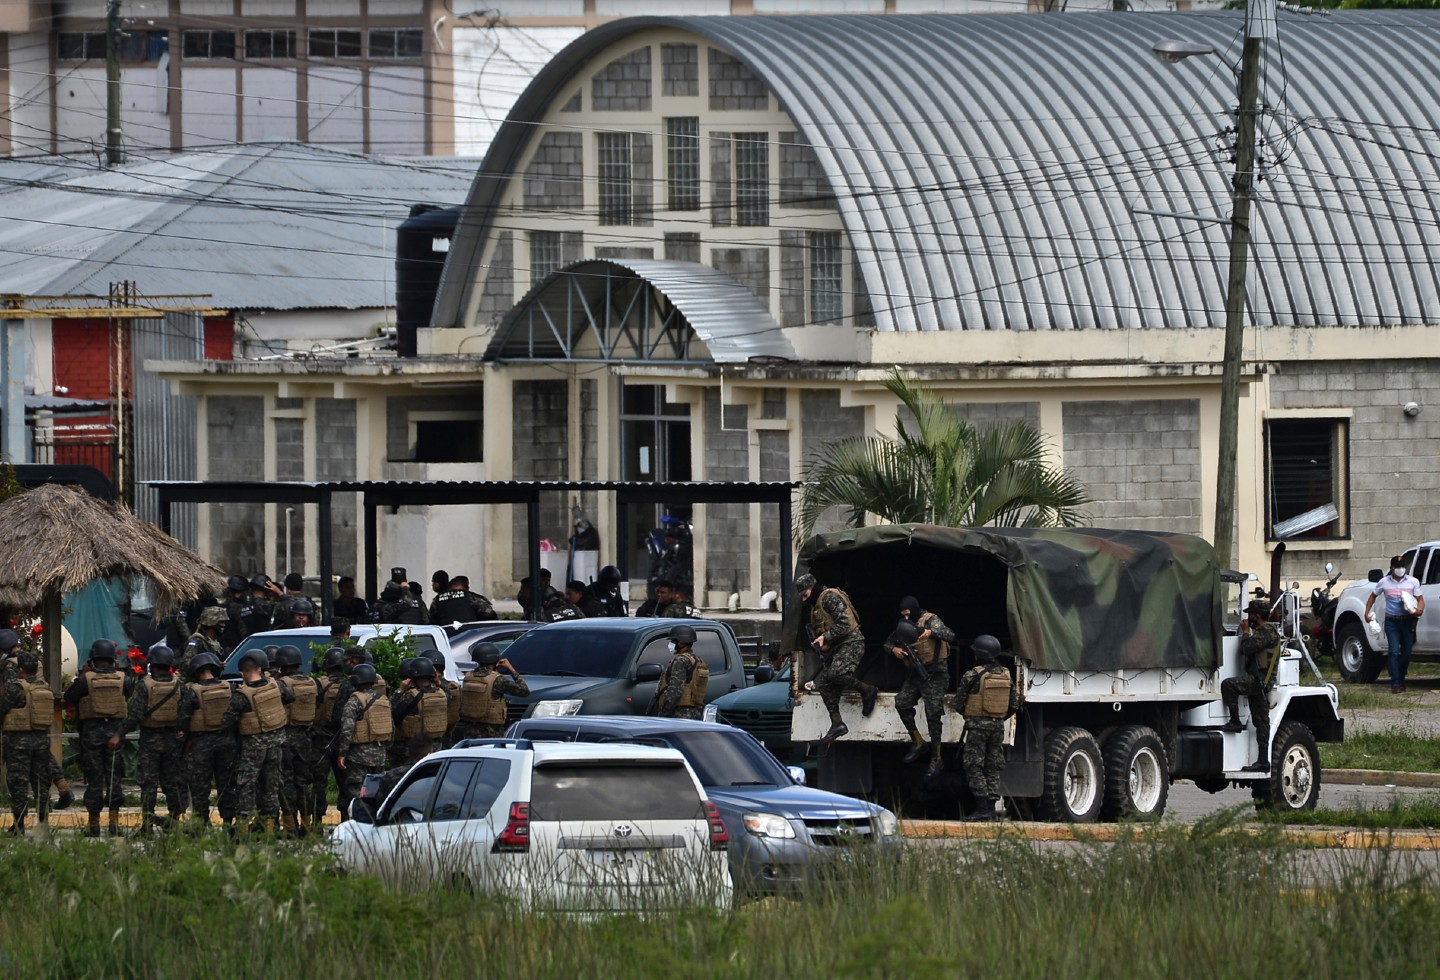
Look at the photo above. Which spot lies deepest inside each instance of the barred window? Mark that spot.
(396, 42)
(81, 46)
(827, 296)
(135, 46)
(201, 45)
(547, 254)
(752, 179)
(682, 162)
(260, 45)
(330, 43)
(617, 164)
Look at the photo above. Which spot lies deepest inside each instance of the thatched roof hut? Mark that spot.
(57, 538)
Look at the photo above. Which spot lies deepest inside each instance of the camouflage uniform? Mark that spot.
(257, 770)
(673, 684)
(360, 759)
(10, 672)
(27, 756)
(504, 684)
(159, 760)
(984, 756)
(298, 763)
(322, 746)
(934, 654)
(405, 703)
(103, 766)
(1256, 647)
(680, 609)
(199, 643)
(845, 645)
(209, 755)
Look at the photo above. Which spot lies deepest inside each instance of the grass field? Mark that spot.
(1394, 749)
(1167, 903)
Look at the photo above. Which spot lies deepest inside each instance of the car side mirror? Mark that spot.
(764, 674)
(1329, 568)
(360, 811)
(648, 672)
(1375, 575)
(797, 774)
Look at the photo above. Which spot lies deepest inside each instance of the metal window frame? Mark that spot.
(287, 36)
(398, 52)
(615, 177)
(547, 254)
(826, 274)
(188, 35)
(1339, 464)
(334, 34)
(751, 167)
(682, 163)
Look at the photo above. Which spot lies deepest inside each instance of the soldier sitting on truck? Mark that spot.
(988, 697)
(931, 647)
(1259, 639)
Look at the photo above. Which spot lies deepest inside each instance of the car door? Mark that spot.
(1427, 632)
(400, 850)
(468, 813)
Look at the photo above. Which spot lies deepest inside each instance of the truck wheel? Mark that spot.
(1294, 781)
(1074, 777)
(1357, 663)
(1137, 781)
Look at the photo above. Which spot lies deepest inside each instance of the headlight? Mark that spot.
(888, 823)
(769, 825)
(712, 713)
(557, 709)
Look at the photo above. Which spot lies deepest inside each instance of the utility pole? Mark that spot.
(112, 84)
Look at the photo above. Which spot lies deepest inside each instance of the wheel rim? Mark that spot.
(1297, 776)
(1352, 658)
(1081, 783)
(1145, 780)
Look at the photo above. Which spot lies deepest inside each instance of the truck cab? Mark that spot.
(1361, 659)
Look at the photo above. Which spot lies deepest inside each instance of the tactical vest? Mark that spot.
(328, 691)
(374, 723)
(214, 699)
(991, 698)
(267, 708)
(694, 694)
(36, 714)
(478, 703)
(162, 703)
(930, 649)
(301, 711)
(428, 717)
(104, 697)
(452, 703)
(826, 622)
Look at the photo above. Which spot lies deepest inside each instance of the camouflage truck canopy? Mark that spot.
(1065, 599)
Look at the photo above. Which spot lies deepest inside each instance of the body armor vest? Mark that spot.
(104, 697)
(36, 714)
(478, 703)
(162, 704)
(930, 649)
(328, 692)
(301, 711)
(991, 699)
(452, 704)
(214, 699)
(374, 723)
(694, 694)
(428, 717)
(826, 622)
(267, 709)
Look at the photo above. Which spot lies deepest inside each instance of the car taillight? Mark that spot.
(515, 838)
(719, 836)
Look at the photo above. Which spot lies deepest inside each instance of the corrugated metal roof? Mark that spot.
(725, 315)
(277, 226)
(986, 167)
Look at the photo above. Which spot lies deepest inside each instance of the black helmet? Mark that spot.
(363, 675)
(609, 576)
(288, 656)
(9, 639)
(436, 658)
(334, 659)
(986, 648)
(684, 635)
(161, 656)
(272, 654)
(29, 663)
(907, 632)
(260, 581)
(416, 668)
(485, 652)
(103, 650)
(237, 583)
(302, 607)
(204, 661)
(256, 657)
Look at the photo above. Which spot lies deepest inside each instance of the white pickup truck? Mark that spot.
(1361, 659)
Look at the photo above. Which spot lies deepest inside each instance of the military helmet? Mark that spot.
(334, 659)
(986, 648)
(213, 616)
(363, 675)
(204, 661)
(908, 633)
(272, 654)
(485, 652)
(103, 650)
(237, 583)
(28, 662)
(288, 656)
(161, 656)
(9, 639)
(416, 668)
(609, 576)
(256, 657)
(302, 607)
(436, 658)
(683, 635)
(1258, 607)
(260, 581)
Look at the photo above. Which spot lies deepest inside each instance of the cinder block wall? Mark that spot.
(1139, 460)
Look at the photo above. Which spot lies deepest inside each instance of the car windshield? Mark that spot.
(612, 791)
(723, 759)
(572, 653)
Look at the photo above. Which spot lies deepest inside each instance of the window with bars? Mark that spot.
(395, 43)
(827, 295)
(547, 254)
(260, 45)
(135, 46)
(752, 179)
(1308, 469)
(682, 162)
(334, 43)
(616, 174)
(202, 45)
(81, 46)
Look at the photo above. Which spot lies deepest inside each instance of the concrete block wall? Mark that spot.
(803, 183)
(823, 420)
(680, 69)
(540, 440)
(727, 526)
(498, 294)
(236, 437)
(733, 85)
(792, 278)
(1139, 461)
(555, 178)
(623, 85)
(749, 266)
(335, 460)
(682, 246)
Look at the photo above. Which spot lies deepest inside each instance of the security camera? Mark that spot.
(1411, 409)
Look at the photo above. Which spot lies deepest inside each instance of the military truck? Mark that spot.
(1118, 642)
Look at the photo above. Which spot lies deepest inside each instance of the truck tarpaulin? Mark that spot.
(1072, 598)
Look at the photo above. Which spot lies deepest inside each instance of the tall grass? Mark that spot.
(1167, 902)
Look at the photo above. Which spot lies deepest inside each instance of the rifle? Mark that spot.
(904, 637)
(813, 635)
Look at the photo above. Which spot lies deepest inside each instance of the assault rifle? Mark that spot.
(905, 637)
(813, 635)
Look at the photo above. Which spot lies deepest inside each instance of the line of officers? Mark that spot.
(266, 746)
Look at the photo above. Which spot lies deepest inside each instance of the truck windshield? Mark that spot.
(573, 653)
(728, 759)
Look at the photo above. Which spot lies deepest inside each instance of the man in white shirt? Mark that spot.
(1404, 603)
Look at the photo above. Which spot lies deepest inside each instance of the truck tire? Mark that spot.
(1358, 664)
(1294, 780)
(1137, 780)
(1074, 777)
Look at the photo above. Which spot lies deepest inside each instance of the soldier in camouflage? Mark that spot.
(297, 761)
(482, 696)
(366, 727)
(258, 712)
(419, 707)
(1259, 639)
(987, 696)
(452, 691)
(155, 710)
(206, 638)
(681, 690)
(26, 712)
(323, 733)
(837, 638)
(932, 647)
(10, 648)
(210, 747)
(99, 694)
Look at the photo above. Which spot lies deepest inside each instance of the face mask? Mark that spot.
(1398, 572)
(672, 648)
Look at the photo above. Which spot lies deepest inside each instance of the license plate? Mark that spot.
(617, 859)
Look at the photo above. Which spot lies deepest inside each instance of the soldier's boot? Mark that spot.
(1233, 725)
(92, 829)
(937, 764)
(984, 809)
(114, 826)
(1262, 760)
(868, 694)
(292, 826)
(915, 749)
(837, 728)
(147, 824)
(17, 823)
(67, 798)
(268, 825)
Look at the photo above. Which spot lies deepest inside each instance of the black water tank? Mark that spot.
(421, 243)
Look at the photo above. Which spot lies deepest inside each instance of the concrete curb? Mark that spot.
(76, 818)
(1381, 777)
(1324, 837)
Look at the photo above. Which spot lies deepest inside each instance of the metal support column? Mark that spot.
(14, 445)
(369, 546)
(532, 529)
(327, 561)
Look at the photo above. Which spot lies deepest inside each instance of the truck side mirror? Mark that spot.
(360, 810)
(648, 672)
(1375, 575)
(764, 674)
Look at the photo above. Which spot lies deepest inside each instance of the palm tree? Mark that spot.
(940, 470)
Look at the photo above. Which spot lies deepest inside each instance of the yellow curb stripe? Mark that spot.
(1326, 837)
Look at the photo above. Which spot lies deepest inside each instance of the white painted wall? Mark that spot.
(209, 115)
(492, 67)
(269, 106)
(397, 110)
(337, 114)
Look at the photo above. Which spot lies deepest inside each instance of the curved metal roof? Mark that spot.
(986, 166)
(726, 316)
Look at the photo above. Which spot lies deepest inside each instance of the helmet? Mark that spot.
(214, 616)
(256, 657)
(288, 656)
(302, 607)
(334, 659)
(908, 633)
(272, 654)
(161, 656)
(363, 675)
(683, 635)
(260, 581)
(485, 652)
(204, 661)
(416, 668)
(102, 650)
(803, 584)
(236, 583)
(9, 639)
(1258, 607)
(29, 663)
(986, 648)
(436, 658)
(609, 576)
